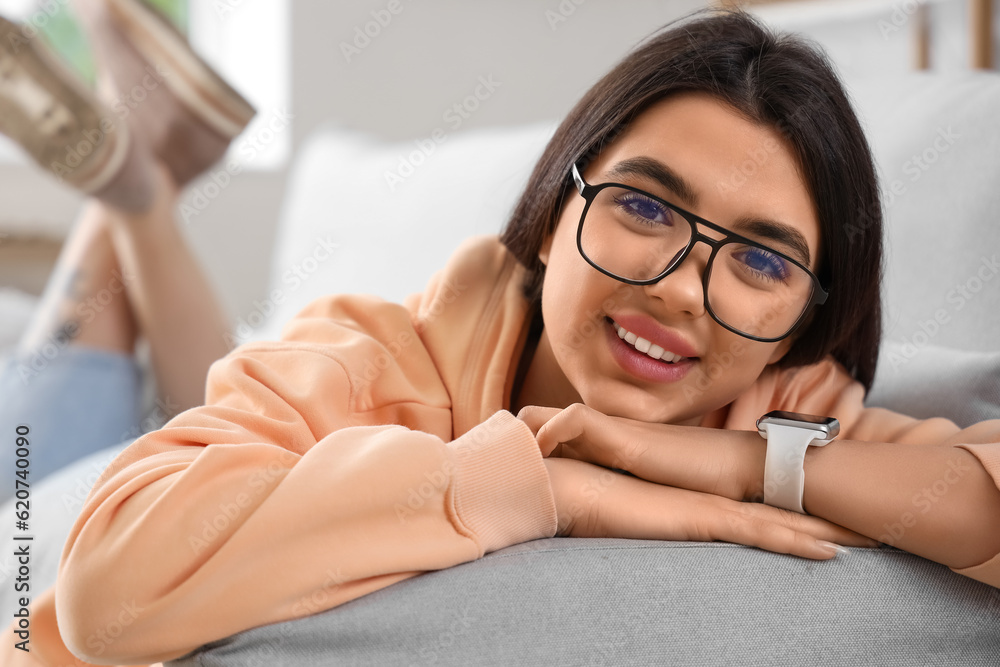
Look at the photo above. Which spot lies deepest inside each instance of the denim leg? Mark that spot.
(76, 403)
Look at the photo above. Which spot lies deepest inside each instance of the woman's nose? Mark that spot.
(682, 289)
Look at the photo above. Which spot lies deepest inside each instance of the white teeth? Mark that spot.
(643, 345)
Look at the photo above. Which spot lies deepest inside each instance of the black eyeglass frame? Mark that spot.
(589, 193)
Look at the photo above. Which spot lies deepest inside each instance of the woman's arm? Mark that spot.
(937, 501)
(924, 493)
(592, 501)
(295, 489)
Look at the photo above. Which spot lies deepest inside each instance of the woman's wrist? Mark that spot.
(748, 451)
(735, 457)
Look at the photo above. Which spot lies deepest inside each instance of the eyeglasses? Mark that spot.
(639, 239)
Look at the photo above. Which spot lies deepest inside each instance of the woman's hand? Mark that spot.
(687, 484)
(717, 461)
(592, 501)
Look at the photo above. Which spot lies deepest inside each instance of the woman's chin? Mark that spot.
(639, 405)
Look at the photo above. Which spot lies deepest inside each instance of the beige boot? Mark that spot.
(166, 92)
(65, 128)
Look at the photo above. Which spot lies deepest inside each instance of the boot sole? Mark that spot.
(190, 78)
(39, 79)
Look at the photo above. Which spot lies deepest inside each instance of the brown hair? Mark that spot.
(772, 79)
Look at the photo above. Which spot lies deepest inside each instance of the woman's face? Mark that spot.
(734, 173)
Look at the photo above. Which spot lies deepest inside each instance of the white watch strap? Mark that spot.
(784, 476)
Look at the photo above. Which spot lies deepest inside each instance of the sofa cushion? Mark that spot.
(571, 601)
(936, 140)
(937, 381)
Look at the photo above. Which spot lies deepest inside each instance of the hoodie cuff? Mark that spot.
(502, 489)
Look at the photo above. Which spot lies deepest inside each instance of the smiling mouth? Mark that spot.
(651, 350)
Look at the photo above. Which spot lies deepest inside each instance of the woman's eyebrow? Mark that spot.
(776, 231)
(657, 171)
(762, 227)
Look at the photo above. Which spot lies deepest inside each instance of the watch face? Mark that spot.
(828, 425)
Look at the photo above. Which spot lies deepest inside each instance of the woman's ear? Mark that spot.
(543, 252)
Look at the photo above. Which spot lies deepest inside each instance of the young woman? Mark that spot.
(645, 305)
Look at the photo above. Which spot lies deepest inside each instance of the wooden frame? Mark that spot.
(980, 31)
(981, 23)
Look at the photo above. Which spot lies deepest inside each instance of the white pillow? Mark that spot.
(363, 216)
(937, 145)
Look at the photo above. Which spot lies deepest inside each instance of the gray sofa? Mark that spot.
(565, 601)
(601, 602)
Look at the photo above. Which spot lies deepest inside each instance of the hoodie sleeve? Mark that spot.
(320, 469)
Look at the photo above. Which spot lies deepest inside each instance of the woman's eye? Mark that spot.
(766, 263)
(645, 208)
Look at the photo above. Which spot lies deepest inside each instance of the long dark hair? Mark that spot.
(772, 79)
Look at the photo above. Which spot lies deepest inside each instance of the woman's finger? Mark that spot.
(755, 525)
(589, 435)
(782, 531)
(535, 416)
(564, 427)
(822, 529)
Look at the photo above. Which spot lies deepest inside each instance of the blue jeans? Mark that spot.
(78, 402)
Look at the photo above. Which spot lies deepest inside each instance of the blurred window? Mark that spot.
(247, 41)
(55, 21)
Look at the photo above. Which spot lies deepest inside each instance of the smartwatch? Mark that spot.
(788, 434)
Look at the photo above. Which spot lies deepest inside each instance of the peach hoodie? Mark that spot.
(369, 445)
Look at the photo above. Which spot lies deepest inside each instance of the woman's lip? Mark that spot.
(641, 365)
(646, 327)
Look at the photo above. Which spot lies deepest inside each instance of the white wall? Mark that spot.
(430, 55)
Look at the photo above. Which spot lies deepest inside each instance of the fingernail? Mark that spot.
(835, 548)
